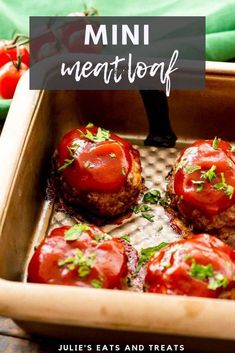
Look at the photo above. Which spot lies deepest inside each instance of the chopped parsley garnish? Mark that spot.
(201, 271)
(74, 232)
(112, 155)
(73, 148)
(199, 184)
(144, 210)
(180, 165)
(217, 281)
(67, 162)
(101, 135)
(228, 189)
(126, 237)
(206, 272)
(82, 262)
(148, 216)
(191, 169)
(97, 283)
(102, 237)
(210, 174)
(147, 253)
(216, 143)
(164, 201)
(135, 209)
(152, 196)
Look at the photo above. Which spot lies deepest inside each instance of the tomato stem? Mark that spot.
(17, 63)
(19, 36)
(89, 11)
(18, 39)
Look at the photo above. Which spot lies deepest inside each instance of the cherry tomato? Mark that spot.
(86, 261)
(101, 165)
(201, 266)
(7, 54)
(9, 77)
(205, 177)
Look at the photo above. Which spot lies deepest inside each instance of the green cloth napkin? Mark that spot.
(220, 18)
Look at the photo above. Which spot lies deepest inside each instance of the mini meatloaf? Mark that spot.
(201, 186)
(99, 171)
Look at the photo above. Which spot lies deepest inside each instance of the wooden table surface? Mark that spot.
(14, 340)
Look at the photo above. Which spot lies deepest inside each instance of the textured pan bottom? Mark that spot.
(156, 164)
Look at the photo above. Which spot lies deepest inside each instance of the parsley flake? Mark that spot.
(210, 174)
(148, 216)
(206, 272)
(67, 162)
(180, 165)
(81, 261)
(102, 237)
(216, 143)
(101, 135)
(217, 281)
(147, 253)
(201, 271)
(199, 184)
(144, 210)
(228, 189)
(97, 283)
(152, 196)
(74, 232)
(126, 237)
(164, 201)
(191, 169)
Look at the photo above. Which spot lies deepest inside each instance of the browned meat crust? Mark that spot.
(109, 204)
(222, 225)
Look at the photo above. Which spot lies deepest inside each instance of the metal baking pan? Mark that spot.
(36, 121)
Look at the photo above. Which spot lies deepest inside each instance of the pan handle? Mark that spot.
(160, 131)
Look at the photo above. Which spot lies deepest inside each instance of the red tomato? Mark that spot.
(97, 166)
(7, 54)
(84, 262)
(9, 77)
(213, 193)
(199, 266)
